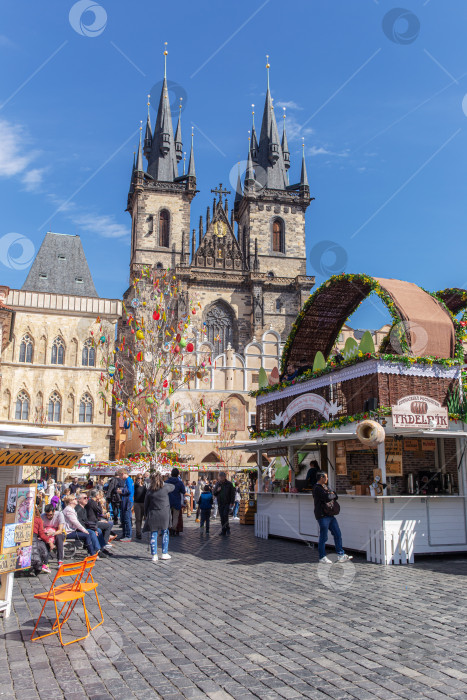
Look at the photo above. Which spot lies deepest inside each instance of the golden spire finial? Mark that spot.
(267, 67)
(284, 108)
(149, 103)
(165, 59)
(180, 105)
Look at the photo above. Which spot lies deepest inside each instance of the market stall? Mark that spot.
(387, 425)
(24, 453)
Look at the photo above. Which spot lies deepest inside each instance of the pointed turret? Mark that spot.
(254, 140)
(139, 157)
(178, 135)
(200, 229)
(270, 158)
(148, 133)
(191, 164)
(285, 147)
(304, 187)
(162, 162)
(250, 173)
(132, 183)
(193, 246)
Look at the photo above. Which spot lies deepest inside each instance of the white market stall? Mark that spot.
(404, 493)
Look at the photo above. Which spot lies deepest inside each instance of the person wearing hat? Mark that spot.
(224, 491)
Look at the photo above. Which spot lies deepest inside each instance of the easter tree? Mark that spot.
(154, 359)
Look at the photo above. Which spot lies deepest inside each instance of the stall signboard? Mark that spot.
(419, 411)
(17, 528)
(41, 458)
(428, 445)
(306, 402)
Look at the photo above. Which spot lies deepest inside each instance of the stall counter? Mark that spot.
(429, 524)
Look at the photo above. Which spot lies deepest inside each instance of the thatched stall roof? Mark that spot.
(322, 317)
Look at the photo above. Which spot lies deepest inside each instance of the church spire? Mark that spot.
(162, 162)
(148, 133)
(250, 173)
(139, 157)
(191, 164)
(270, 157)
(285, 147)
(254, 140)
(178, 134)
(304, 177)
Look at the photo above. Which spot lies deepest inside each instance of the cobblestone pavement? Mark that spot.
(248, 618)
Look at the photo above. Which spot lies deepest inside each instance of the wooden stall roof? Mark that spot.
(322, 317)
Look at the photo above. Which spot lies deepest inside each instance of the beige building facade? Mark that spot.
(51, 360)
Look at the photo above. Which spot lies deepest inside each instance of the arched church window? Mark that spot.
(22, 406)
(54, 411)
(219, 327)
(164, 228)
(85, 409)
(58, 352)
(277, 236)
(26, 349)
(89, 354)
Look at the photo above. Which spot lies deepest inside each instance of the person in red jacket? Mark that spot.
(39, 553)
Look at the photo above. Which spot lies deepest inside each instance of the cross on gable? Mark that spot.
(220, 191)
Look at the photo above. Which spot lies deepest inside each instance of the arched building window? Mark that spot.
(89, 354)
(85, 409)
(278, 236)
(58, 352)
(220, 327)
(54, 411)
(22, 406)
(26, 349)
(164, 228)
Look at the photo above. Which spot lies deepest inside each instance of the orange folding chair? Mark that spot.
(63, 594)
(86, 585)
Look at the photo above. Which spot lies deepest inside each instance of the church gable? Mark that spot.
(219, 248)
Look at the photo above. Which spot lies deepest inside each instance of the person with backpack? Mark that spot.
(326, 509)
(113, 497)
(205, 503)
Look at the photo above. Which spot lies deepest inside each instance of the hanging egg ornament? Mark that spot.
(111, 370)
(183, 343)
(177, 349)
(144, 443)
(190, 347)
(149, 400)
(167, 402)
(165, 383)
(163, 444)
(193, 311)
(178, 337)
(135, 411)
(102, 339)
(140, 335)
(156, 315)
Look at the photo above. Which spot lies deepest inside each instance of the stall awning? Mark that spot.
(38, 452)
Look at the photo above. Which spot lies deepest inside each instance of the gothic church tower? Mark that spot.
(159, 199)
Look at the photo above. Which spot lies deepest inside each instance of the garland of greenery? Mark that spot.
(334, 365)
(335, 423)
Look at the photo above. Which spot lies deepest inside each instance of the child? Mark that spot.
(205, 505)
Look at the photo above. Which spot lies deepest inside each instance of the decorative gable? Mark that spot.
(219, 248)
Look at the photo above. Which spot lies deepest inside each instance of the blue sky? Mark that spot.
(377, 96)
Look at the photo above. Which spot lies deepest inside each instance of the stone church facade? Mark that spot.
(246, 266)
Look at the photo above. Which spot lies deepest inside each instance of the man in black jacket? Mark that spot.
(324, 498)
(113, 496)
(94, 532)
(224, 491)
(96, 517)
